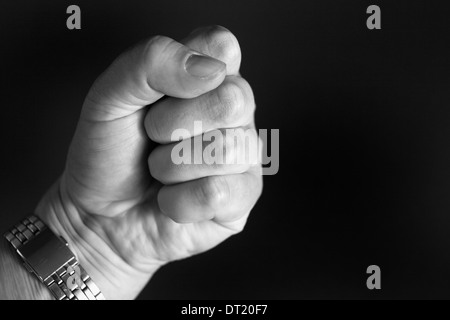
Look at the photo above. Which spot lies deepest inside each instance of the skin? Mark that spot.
(123, 206)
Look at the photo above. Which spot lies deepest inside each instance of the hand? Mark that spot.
(124, 207)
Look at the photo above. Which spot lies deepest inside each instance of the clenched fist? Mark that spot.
(123, 205)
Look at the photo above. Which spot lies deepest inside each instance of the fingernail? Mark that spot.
(203, 66)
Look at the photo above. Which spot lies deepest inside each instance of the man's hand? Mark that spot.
(122, 204)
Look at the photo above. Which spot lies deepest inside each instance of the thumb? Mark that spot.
(159, 66)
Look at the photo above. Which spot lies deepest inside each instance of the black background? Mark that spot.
(364, 119)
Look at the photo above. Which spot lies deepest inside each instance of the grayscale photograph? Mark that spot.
(225, 154)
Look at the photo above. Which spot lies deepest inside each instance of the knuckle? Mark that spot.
(230, 106)
(222, 43)
(157, 42)
(241, 147)
(154, 49)
(214, 192)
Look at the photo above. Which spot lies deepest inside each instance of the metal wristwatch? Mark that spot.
(48, 256)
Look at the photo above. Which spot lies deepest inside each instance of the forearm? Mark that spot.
(15, 281)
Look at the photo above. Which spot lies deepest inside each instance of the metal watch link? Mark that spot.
(49, 258)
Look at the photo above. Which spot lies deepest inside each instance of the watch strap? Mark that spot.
(70, 281)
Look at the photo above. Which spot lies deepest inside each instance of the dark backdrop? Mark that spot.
(364, 119)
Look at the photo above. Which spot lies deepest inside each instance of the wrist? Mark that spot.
(115, 278)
